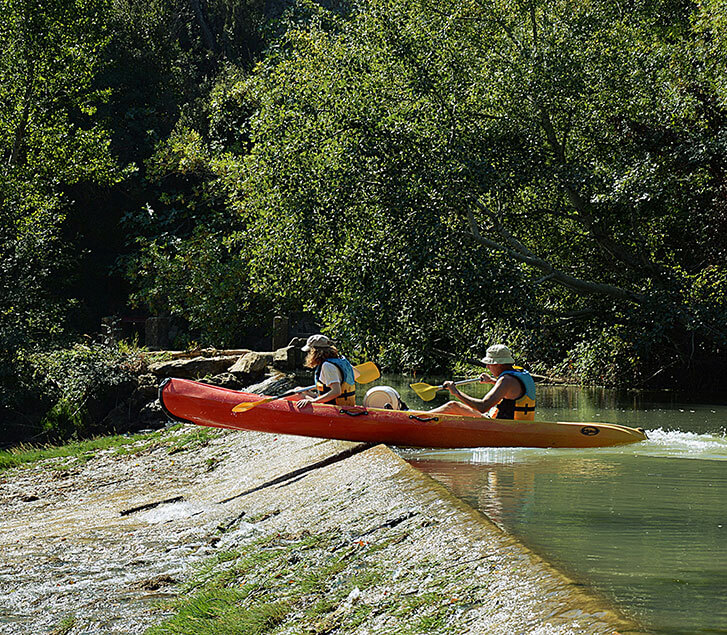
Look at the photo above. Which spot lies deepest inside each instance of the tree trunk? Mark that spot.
(208, 37)
(22, 124)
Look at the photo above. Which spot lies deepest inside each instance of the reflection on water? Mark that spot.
(646, 524)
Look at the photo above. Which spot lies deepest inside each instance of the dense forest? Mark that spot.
(423, 176)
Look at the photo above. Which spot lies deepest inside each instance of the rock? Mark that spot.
(225, 380)
(148, 387)
(251, 365)
(155, 583)
(274, 385)
(194, 368)
(151, 414)
(287, 358)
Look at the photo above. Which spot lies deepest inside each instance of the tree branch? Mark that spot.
(207, 35)
(584, 215)
(521, 253)
(24, 119)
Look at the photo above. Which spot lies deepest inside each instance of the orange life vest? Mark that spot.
(348, 381)
(523, 408)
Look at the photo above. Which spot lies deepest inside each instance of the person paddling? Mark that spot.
(511, 397)
(334, 376)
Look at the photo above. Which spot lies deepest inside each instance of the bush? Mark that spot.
(607, 360)
(67, 393)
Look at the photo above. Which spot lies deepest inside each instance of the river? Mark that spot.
(644, 524)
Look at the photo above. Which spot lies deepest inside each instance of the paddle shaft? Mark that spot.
(290, 392)
(461, 383)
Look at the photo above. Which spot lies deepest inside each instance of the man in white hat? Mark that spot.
(512, 396)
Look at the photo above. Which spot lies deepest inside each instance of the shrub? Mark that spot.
(66, 393)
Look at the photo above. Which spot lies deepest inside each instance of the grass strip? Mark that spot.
(83, 451)
(305, 584)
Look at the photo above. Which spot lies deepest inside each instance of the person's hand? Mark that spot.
(303, 403)
(450, 385)
(486, 378)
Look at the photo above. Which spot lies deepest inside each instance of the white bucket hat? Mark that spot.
(317, 341)
(498, 354)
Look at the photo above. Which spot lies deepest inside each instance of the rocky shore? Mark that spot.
(308, 536)
(138, 408)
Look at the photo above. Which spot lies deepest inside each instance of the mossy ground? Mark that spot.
(312, 583)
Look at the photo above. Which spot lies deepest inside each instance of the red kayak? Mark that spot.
(193, 402)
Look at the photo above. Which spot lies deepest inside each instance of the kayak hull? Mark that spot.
(202, 404)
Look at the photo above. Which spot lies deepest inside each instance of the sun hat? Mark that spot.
(498, 354)
(317, 341)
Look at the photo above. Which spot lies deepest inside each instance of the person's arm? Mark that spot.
(334, 387)
(506, 387)
(308, 394)
(333, 392)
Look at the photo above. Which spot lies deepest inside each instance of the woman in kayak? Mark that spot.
(334, 376)
(512, 396)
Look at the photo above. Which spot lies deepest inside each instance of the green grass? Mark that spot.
(271, 581)
(65, 626)
(80, 452)
(197, 438)
(300, 585)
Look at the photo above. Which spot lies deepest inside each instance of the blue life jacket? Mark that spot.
(348, 381)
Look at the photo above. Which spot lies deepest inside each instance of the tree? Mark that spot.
(49, 55)
(579, 141)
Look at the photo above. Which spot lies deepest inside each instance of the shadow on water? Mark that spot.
(645, 524)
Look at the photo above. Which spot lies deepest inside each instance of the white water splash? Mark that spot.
(661, 443)
(683, 445)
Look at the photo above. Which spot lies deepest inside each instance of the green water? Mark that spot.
(645, 524)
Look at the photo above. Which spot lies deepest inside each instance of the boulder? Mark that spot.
(148, 386)
(193, 368)
(225, 380)
(253, 364)
(276, 384)
(151, 415)
(287, 358)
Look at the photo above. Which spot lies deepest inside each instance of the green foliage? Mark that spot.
(421, 176)
(184, 266)
(577, 135)
(604, 360)
(77, 386)
(49, 142)
(350, 196)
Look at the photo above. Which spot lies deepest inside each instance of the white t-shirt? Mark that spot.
(330, 374)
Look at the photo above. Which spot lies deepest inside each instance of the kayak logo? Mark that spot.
(589, 431)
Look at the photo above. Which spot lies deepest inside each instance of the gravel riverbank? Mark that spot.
(329, 537)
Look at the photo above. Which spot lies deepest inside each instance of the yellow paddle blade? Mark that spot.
(247, 405)
(425, 391)
(366, 373)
